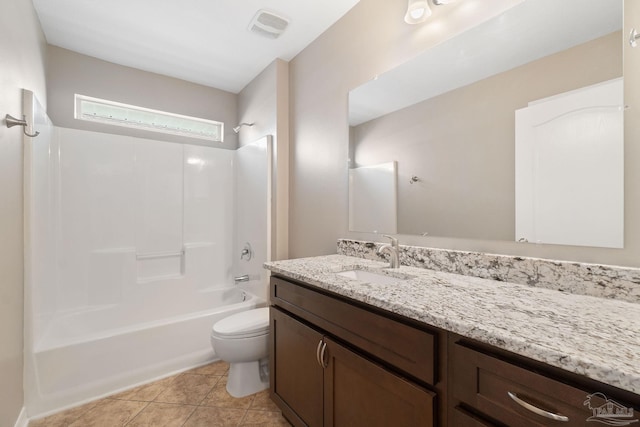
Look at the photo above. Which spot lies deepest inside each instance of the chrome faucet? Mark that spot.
(393, 249)
(243, 278)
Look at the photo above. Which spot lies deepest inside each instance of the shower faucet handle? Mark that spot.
(247, 252)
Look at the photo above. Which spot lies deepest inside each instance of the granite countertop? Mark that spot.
(595, 337)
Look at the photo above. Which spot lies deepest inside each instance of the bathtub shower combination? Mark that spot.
(132, 245)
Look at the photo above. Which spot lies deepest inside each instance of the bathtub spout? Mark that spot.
(243, 278)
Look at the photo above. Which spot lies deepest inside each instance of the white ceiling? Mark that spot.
(202, 41)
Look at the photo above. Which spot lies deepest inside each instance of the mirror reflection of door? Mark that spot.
(570, 168)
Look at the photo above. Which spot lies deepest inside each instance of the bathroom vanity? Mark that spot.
(328, 353)
(428, 348)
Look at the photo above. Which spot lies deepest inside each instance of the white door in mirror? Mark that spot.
(570, 168)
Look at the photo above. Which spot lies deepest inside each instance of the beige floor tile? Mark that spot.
(218, 368)
(262, 402)
(162, 415)
(189, 389)
(220, 397)
(215, 417)
(64, 418)
(110, 413)
(264, 418)
(172, 402)
(146, 392)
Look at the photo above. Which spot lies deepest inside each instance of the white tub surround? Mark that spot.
(129, 256)
(604, 281)
(590, 336)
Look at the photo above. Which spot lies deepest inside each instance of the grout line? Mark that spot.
(136, 415)
(190, 415)
(244, 416)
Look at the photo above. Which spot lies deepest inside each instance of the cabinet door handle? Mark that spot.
(537, 410)
(320, 352)
(318, 349)
(323, 351)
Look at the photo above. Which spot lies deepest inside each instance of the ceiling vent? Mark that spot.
(268, 24)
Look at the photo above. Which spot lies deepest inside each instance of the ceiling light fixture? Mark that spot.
(417, 11)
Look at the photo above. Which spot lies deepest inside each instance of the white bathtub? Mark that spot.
(88, 354)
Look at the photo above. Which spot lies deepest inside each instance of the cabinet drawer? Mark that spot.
(516, 396)
(407, 348)
(463, 418)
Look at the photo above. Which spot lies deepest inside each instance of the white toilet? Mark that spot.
(242, 340)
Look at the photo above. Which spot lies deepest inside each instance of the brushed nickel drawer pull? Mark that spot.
(537, 410)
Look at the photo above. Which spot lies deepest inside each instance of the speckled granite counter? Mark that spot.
(595, 337)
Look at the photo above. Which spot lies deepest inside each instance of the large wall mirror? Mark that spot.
(511, 131)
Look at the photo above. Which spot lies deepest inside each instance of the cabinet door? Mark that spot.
(296, 375)
(358, 392)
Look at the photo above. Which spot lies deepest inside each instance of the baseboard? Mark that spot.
(23, 420)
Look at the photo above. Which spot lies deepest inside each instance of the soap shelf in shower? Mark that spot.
(154, 255)
(153, 266)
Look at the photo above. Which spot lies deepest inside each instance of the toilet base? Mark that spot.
(247, 378)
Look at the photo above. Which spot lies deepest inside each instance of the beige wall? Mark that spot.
(22, 65)
(70, 73)
(257, 105)
(369, 40)
(265, 102)
(461, 144)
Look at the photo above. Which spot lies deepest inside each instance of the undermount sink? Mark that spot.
(371, 277)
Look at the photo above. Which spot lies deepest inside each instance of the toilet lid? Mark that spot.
(244, 324)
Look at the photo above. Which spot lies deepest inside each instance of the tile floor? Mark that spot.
(191, 399)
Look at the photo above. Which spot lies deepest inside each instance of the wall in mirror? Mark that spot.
(448, 117)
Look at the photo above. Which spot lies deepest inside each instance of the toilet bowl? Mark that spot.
(242, 340)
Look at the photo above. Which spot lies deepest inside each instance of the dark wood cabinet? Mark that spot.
(339, 362)
(398, 342)
(296, 376)
(460, 417)
(493, 387)
(358, 392)
(336, 364)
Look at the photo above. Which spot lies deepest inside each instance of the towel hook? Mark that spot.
(12, 121)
